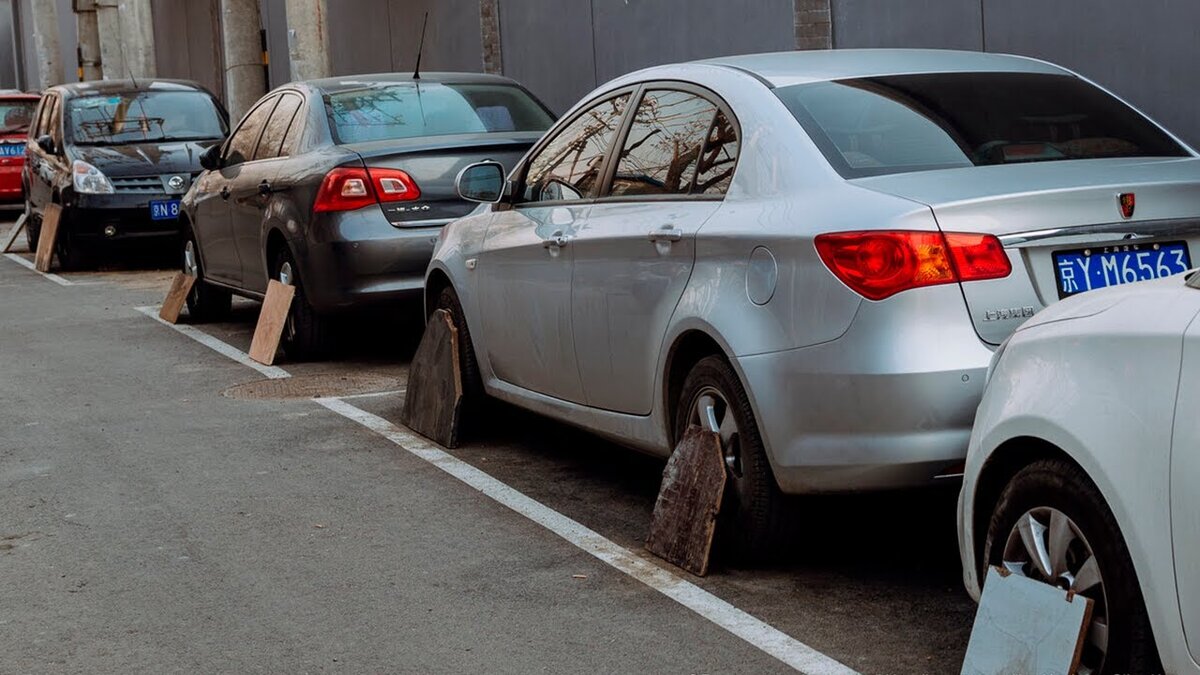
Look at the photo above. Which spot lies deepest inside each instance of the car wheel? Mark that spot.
(33, 228)
(71, 254)
(472, 383)
(205, 302)
(751, 512)
(1051, 524)
(305, 333)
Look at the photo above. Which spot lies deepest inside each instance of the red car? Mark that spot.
(16, 113)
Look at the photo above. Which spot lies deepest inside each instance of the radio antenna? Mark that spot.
(420, 48)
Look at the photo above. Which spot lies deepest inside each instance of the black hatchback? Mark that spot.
(339, 187)
(117, 156)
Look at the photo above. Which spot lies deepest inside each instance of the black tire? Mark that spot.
(751, 518)
(70, 251)
(306, 333)
(1062, 486)
(473, 395)
(205, 302)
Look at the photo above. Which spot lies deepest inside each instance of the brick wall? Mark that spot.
(489, 20)
(814, 28)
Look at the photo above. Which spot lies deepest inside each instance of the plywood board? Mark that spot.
(12, 234)
(47, 237)
(172, 305)
(1025, 626)
(433, 399)
(685, 514)
(271, 318)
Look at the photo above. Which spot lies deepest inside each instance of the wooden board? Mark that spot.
(433, 400)
(1024, 626)
(47, 237)
(685, 514)
(172, 305)
(12, 234)
(271, 318)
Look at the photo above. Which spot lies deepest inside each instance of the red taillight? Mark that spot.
(879, 264)
(350, 188)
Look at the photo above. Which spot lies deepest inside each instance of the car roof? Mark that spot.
(101, 87)
(333, 85)
(781, 69)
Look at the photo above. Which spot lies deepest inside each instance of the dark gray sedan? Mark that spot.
(340, 186)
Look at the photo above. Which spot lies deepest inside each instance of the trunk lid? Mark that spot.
(434, 163)
(1041, 209)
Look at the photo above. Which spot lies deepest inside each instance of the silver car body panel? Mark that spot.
(850, 394)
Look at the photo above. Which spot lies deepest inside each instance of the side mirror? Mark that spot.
(210, 159)
(46, 143)
(481, 182)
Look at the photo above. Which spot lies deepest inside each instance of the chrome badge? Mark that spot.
(175, 183)
(1009, 313)
(1128, 203)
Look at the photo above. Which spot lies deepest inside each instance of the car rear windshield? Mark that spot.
(147, 116)
(897, 124)
(409, 110)
(15, 115)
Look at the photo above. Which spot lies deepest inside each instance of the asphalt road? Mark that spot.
(153, 521)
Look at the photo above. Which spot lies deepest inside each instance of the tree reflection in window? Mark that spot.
(568, 167)
(663, 144)
(719, 158)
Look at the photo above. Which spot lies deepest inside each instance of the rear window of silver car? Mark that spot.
(905, 123)
(410, 110)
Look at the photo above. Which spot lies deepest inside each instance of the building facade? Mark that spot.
(561, 49)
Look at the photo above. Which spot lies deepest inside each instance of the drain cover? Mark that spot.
(314, 386)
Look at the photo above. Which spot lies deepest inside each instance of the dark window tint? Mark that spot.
(902, 123)
(245, 139)
(54, 124)
(663, 145)
(568, 167)
(271, 143)
(145, 116)
(16, 116)
(719, 158)
(295, 133)
(390, 111)
(43, 119)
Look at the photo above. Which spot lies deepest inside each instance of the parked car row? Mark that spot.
(823, 257)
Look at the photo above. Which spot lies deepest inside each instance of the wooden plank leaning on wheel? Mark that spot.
(434, 396)
(48, 237)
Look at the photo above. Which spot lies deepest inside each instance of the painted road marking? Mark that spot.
(227, 350)
(49, 275)
(756, 632)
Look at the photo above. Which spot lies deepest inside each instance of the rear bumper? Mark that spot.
(10, 183)
(357, 258)
(889, 404)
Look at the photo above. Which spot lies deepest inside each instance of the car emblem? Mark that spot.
(176, 183)
(1128, 202)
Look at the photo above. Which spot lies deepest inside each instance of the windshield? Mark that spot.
(15, 116)
(139, 117)
(409, 110)
(896, 124)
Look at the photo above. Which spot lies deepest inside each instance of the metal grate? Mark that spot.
(142, 184)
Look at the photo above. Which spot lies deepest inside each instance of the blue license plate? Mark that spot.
(12, 149)
(164, 209)
(1085, 270)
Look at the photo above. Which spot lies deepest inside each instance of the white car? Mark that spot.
(1083, 465)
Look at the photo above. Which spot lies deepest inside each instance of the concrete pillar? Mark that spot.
(112, 53)
(489, 21)
(87, 26)
(245, 73)
(814, 24)
(137, 35)
(308, 39)
(45, 43)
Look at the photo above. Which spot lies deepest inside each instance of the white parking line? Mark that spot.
(756, 632)
(272, 372)
(52, 277)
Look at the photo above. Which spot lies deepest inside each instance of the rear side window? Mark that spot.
(663, 145)
(390, 111)
(904, 123)
(568, 166)
(271, 143)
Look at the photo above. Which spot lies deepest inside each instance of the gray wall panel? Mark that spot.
(935, 24)
(452, 41)
(636, 34)
(360, 38)
(550, 52)
(8, 53)
(187, 42)
(1147, 55)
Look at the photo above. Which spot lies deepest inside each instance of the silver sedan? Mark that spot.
(813, 254)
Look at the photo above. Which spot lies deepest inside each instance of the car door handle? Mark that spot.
(666, 233)
(556, 240)
(264, 188)
(224, 192)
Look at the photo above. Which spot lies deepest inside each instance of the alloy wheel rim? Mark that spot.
(711, 411)
(286, 277)
(1047, 546)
